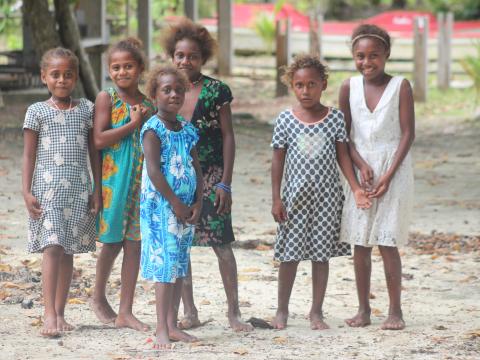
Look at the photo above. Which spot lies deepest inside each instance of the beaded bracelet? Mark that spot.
(224, 187)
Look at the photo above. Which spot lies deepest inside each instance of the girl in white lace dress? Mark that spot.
(379, 115)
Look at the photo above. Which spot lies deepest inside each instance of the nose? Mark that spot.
(185, 60)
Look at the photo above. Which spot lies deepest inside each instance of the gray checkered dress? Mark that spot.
(312, 193)
(61, 181)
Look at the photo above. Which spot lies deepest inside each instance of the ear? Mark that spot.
(43, 77)
(325, 83)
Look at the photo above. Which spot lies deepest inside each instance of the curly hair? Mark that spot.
(187, 29)
(59, 52)
(304, 61)
(131, 45)
(153, 78)
(371, 31)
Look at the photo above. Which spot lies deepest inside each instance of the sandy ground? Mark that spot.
(441, 278)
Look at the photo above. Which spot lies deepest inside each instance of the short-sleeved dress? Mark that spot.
(61, 180)
(312, 193)
(121, 178)
(166, 242)
(212, 229)
(376, 136)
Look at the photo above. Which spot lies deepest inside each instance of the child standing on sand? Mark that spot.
(119, 115)
(310, 139)
(380, 119)
(56, 182)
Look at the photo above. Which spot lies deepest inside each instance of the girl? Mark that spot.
(207, 107)
(311, 139)
(56, 182)
(171, 199)
(380, 119)
(119, 115)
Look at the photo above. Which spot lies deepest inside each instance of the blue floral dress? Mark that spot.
(165, 241)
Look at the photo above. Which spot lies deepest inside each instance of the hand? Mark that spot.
(279, 211)
(137, 113)
(181, 211)
(196, 210)
(366, 176)
(223, 201)
(361, 199)
(95, 203)
(33, 206)
(380, 188)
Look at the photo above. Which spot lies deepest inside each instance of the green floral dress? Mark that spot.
(212, 229)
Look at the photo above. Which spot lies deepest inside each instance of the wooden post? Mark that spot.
(191, 9)
(283, 54)
(145, 25)
(225, 38)
(315, 35)
(444, 61)
(420, 72)
(127, 17)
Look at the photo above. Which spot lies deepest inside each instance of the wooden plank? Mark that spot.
(225, 37)
(445, 31)
(144, 16)
(420, 60)
(283, 57)
(191, 9)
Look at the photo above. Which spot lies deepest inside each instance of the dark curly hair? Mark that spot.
(59, 52)
(131, 45)
(187, 29)
(153, 78)
(373, 32)
(304, 61)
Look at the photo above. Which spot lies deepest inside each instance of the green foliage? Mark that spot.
(463, 9)
(471, 65)
(10, 26)
(264, 25)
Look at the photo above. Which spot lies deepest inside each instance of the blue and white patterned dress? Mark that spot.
(166, 242)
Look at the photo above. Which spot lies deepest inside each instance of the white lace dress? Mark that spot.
(376, 136)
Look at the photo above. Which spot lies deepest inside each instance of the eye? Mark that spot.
(128, 66)
(115, 68)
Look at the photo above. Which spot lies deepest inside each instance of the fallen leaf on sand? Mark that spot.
(280, 340)
(5, 268)
(251, 270)
(4, 294)
(152, 302)
(376, 312)
(244, 304)
(439, 327)
(76, 301)
(11, 285)
(240, 351)
(407, 276)
(263, 247)
(473, 334)
(120, 357)
(30, 262)
(372, 296)
(469, 279)
(245, 277)
(37, 322)
(205, 302)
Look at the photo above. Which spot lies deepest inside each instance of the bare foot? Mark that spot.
(175, 334)
(62, 325)
(103, 311)
(237, 324)
(393, 322)
(162, 341)
(362, 319)
(130, 321)
(49, 328)
(280, 320)
(317, 323)
(189, 321)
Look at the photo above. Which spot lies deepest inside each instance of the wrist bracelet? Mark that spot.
(224, 187)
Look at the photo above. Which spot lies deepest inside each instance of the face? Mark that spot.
(170, 93)
(308, 87)
(370, 57)
(124, 70)
(60, 76)
(188, 57)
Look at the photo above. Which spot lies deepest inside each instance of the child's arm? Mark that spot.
(366, 172)
(103, 134)
(345, 163)
(30, 141)
(96, 165)
(152, 152)
(407, 127)
(278, 162)
(223, 199)
(197, 206)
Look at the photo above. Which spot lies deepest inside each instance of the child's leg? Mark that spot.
(228, 269)
(99, 303)
(163, 299)
(286, 277)
(174, 332)
(63, 287)
(362, 260)
(190, 312)
(319, 287)
(50, 270)
(130, 268)
(393, 273)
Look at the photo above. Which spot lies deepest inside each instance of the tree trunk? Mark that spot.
(70, 35)
(399, 4)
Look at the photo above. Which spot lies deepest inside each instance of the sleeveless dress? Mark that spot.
(212, 229)
(376, 136)
(312, 192)
(61, 180)
(121, 179)
(166, 241)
